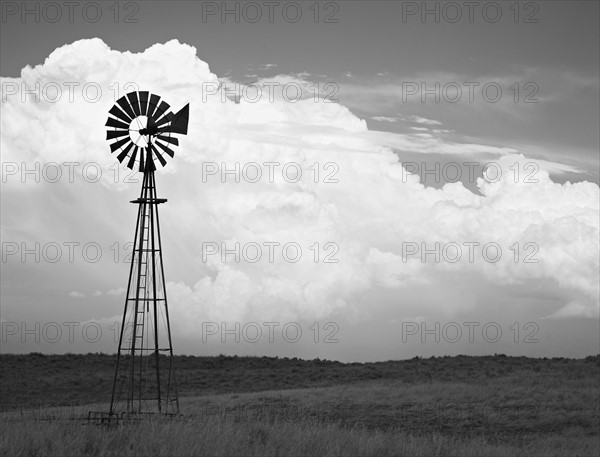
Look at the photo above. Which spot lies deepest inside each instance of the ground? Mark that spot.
(480, 406)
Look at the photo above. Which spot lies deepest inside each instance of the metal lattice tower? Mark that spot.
(144, 380)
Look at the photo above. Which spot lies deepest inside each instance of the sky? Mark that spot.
(447, 201)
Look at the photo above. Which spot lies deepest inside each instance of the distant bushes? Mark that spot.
(88, 377)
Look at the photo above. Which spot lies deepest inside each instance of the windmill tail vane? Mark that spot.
(141, 129)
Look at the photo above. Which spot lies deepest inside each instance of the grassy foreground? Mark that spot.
(532, 407)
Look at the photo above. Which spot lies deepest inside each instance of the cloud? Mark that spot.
(354, 205)
(422, 120)
(430, 144)
(116, 292)
(536, 84)
(385, 119)
(290, 88)
(541, 98)
(76, 294)
(574, 309)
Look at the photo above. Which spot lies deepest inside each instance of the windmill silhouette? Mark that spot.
(144, 382)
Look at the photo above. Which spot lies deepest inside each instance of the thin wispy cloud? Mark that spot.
(422, 120)
(385, 119)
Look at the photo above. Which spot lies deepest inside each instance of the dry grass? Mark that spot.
(216, 438)
(548, 411)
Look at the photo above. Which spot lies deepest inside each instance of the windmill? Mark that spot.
(141, 128)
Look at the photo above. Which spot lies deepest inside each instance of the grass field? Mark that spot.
(449, 406)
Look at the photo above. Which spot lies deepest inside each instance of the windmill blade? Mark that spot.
(159, 156)
(165, 148)
(168, 139)
(124, 152)
(164, 106)
(133, 99)
(132, 158)
(116, 112)
(154, 99)
(142, 161)
(144, 102)
(111, 122)
(116, 145)
(124, 104)
(112, 134)
(166, 118)
(150, 124)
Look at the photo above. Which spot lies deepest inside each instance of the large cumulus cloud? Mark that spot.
(373, 213)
